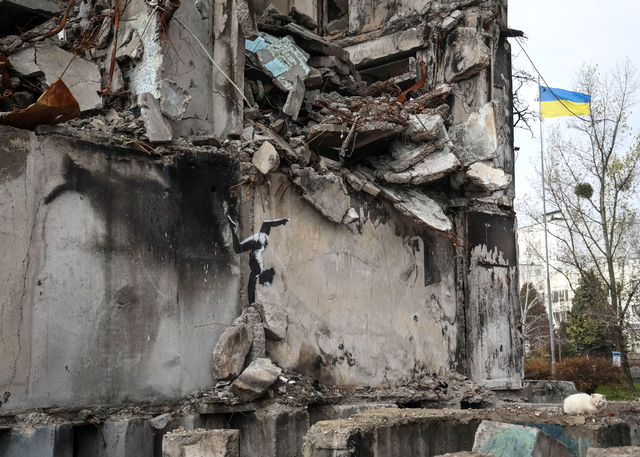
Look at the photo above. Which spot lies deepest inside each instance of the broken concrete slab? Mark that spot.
(246, 19)
(408, 156)
(481, 176)
(294, 99)
(282, 146)
(433, 167)
(280, 58)
(426, 127)
(415, 204)
(82, 77)
(158, 128)
(230, 352)
(266, 158)
(325, 192)
(303, 19)
(276, 321)
(476, 140)
(466, 54)
(174, 100)
(623, 451)
(201, 442)
(255, 380)
(315, 44)
(377, 51)
(24, 63)
(252, 316)
(131, 46)
(333, 135)
(332, 62)
(508, 440)
(206, 140)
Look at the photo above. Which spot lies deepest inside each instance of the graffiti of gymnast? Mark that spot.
(256, 243)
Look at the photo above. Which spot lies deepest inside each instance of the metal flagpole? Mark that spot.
(546, 247)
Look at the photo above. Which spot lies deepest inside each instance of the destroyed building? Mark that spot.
(319, 192)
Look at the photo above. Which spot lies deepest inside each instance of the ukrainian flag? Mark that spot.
(559, 102)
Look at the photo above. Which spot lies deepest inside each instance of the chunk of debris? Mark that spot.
(158, 128)
(485, 177)
(417, 205)
(161, 421)
(251, 316)
(24, 63)
(425, 127)
(311, 42)
(350, 216)
(55, 105)
(476, 140)
(328, 136)
(294, 100)
(325, 192)
(266, 158)
(280, 58)
(303, 19)
(275, 322)
(82, 77)
(497, 438)
(247, 19)
(466, 54)
(131, 46)
(174, 100)
(255, 380)
(230, 352)
(330, 62)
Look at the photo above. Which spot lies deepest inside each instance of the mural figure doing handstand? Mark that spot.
(256, 243)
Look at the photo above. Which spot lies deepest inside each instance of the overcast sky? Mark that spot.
(561, 36)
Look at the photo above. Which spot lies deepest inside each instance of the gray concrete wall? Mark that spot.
(112, 265)
(369, 308)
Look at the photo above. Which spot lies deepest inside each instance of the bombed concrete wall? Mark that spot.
(118, 275)
(354, 183)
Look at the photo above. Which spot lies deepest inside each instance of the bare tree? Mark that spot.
(535, 322)
(523, 115)
(591, 173)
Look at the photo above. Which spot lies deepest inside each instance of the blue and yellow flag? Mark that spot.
(559, 102)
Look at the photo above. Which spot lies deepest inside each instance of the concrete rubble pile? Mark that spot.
(307, 111)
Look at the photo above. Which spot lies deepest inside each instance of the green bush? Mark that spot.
(588, 373)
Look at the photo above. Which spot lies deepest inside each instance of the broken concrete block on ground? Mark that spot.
(158, 128)
(624, 451)
(275, 322)
(434, 166)
(508, 440)
(174, 100)
(24, 63)
(230, 352)
(201, 443)
(255, 380)
(325, 192)
(466, 54)
(481, 176)
(82, 77)
(266, 158)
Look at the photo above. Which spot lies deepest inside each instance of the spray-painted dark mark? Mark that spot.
(256, 243)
